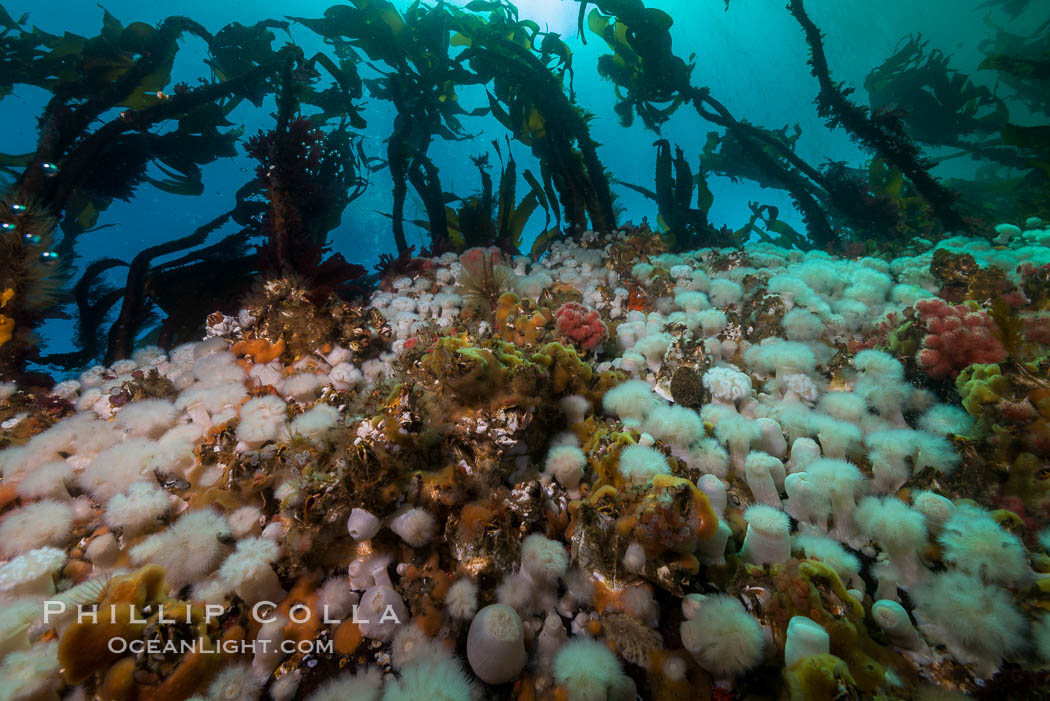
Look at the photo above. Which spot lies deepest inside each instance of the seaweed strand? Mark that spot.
(882, 133)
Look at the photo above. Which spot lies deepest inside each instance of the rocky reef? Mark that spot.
(609, 473)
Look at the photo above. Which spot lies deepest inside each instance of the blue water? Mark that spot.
(753, 57)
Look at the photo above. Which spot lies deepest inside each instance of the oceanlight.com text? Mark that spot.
(120, 646)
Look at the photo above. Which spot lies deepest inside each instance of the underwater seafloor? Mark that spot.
(709, 486)
(678, 462)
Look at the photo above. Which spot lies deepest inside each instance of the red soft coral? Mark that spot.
(476, 260)
(580, 324)
(956, 337)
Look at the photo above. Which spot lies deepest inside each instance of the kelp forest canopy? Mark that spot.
(114, 120)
